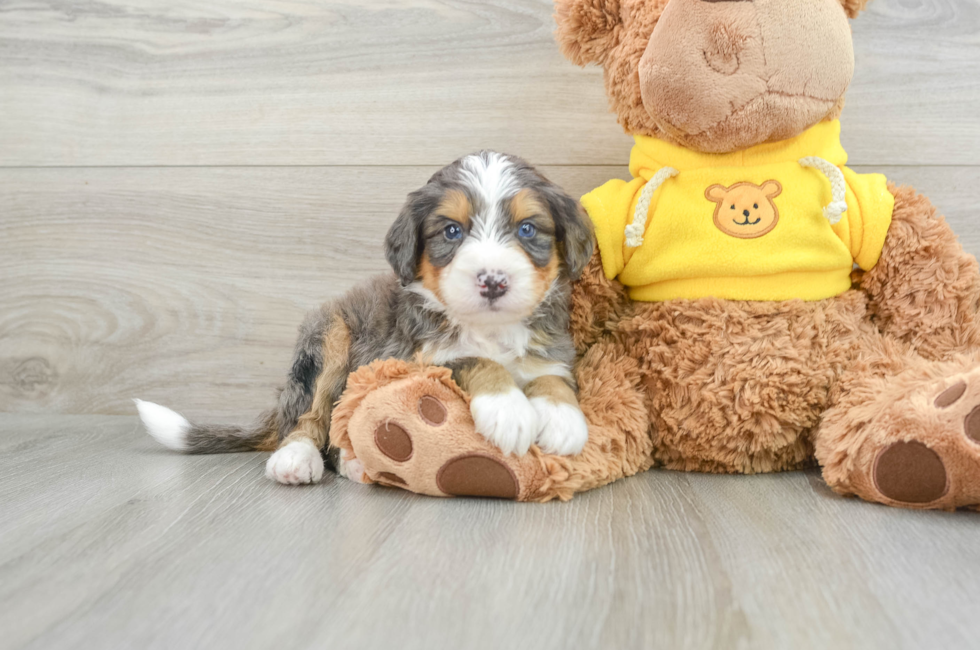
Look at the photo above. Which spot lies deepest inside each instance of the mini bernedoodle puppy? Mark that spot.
(483, 257)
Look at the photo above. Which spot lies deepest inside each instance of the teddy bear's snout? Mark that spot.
(721, 75)
(724, 45)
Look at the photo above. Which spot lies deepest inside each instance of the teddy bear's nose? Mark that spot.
(746, 212)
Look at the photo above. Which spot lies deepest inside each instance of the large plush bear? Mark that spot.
(754, 305)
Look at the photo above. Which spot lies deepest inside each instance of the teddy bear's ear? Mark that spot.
(853, 7)
(588, 29)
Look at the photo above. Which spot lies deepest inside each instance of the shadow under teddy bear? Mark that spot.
(708, 348)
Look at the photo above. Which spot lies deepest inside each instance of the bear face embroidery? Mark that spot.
(745, 210)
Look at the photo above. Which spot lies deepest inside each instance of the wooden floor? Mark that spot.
(180, 181)
(106, 541)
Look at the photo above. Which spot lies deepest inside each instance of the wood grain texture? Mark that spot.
(181, 285)
(186, 286)
(380, 82)
(180, 181)
(107, 541)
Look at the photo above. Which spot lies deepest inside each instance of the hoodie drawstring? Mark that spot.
(838, 187)
(635, 230)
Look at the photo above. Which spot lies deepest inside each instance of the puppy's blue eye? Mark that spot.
(453, 231)
(527, 230)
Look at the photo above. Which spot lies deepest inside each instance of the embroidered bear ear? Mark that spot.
(772, 189)
(716, 193)
(588, 30)
(854, 7)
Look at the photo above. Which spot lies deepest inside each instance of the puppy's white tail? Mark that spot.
(174, 431)
(167, 427)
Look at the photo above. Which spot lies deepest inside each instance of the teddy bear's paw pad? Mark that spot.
(418, 434)
(951, 395)
(477, 475)
(910, 472)
(960, 401)
(391, 479)
(432, 411)
(394, 442)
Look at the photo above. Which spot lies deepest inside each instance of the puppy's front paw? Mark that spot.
(505, 419)
(297, 463)
(351, 468)
(562, 428)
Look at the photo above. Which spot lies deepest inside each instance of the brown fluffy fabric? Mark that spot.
(854, 7)
(617, 42)
(616, 34)
(889, 396)
(588, 29)
(925, 289)
(596, 304)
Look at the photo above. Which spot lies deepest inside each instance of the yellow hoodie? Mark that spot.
(777, 221)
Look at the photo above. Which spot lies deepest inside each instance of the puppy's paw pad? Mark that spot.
(562, 428)
(476, 475)
(298, 463)
(507, 420)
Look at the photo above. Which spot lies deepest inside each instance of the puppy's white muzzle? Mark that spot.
(489, 282)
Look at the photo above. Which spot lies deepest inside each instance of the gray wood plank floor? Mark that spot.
(179, 182)
(106, 541)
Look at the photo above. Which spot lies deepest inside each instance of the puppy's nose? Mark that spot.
(493, 284)
(746, 212)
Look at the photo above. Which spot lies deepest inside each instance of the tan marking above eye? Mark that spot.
(525, 205)
(455, 206)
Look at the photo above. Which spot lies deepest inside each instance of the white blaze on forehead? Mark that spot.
(491, 177)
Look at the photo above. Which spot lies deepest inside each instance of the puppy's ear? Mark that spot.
(575, 234)
(588, 30)
(404, 243)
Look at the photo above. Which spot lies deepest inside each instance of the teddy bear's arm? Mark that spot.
(597, 303)
(925, 288)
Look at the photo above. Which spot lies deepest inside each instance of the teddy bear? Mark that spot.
(754, 305)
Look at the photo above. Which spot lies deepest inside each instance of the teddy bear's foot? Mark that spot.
(416, 433)
(929, 453)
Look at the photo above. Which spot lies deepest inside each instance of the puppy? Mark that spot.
(483, 257)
